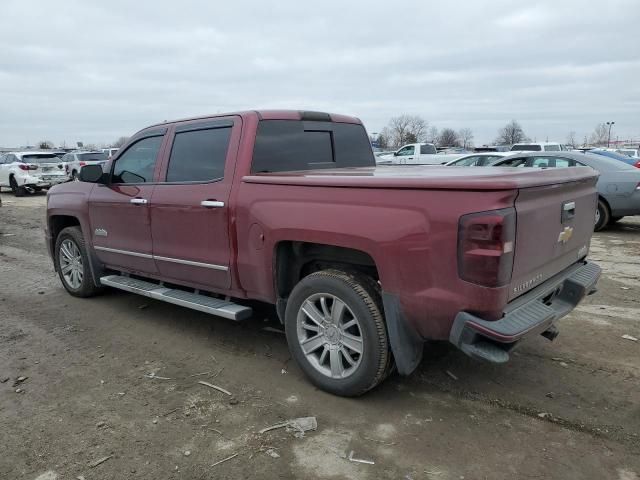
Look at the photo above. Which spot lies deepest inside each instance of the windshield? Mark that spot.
(92, 156)
(606, 153)
(526, 147)
(40, 158)
(602, 162)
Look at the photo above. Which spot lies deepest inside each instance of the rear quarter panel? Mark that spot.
(411, 235)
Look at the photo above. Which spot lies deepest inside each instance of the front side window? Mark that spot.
(406, 151)
(198, 155)
(137, 164)
(467, 162)
(541, 162)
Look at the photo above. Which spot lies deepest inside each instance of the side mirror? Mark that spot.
(395, 154)
(91, 174)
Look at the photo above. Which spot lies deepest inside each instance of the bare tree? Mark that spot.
(466, 137)
(432, 135)
(120, 142)
(418, 128)
(405, 129)
(45, 145)
(511, 133)
(448, 138)
(571, 139)
(599, 135)
(383, 141)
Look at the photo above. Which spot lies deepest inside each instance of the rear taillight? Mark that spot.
(637, 164)
(82, 164)
(25, 166)
(485, 247)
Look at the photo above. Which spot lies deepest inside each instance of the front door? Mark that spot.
(189, 208)
(119, 210)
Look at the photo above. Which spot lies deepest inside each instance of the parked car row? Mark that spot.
(618, 185)
(31, 171)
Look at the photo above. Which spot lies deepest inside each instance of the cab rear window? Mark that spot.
(290, 145)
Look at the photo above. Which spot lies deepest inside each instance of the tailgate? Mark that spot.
(554, 227)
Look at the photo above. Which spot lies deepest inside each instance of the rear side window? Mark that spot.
(522, 147)
(198, 155)
(290, 145)
(552, 148)
(137, 164)
(92, 156)
(427, 150)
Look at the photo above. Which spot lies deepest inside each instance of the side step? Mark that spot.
(202, 303)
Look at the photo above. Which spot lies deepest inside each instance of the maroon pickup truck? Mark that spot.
(363, 263)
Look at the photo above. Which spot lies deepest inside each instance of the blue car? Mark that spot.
(618, 156)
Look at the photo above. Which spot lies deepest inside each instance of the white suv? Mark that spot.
(74, 161)
(28, 172)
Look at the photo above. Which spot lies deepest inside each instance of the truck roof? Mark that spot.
(273, 115)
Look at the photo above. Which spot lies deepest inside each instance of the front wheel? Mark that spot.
(602, 216)
(72, 263)
(336, 332)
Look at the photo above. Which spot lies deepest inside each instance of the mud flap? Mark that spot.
(406, 344)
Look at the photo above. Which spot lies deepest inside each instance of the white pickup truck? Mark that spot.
(417, 154)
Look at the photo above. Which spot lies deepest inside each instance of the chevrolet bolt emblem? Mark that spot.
(565, 235)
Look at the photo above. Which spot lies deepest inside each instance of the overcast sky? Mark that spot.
(95, 70)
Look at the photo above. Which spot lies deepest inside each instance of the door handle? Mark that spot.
(212, 204)
(138, 201)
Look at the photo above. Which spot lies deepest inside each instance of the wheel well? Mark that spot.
(58, 222)
(606, 204)
(296, 260)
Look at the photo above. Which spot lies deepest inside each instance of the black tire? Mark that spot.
(74, 176)
(361, 295)
(602, 216)
(87, 287)
(17, 191)
(615, 220)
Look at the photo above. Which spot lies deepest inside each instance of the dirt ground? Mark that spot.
(116, 377)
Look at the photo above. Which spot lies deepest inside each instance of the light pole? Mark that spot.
(609, 137)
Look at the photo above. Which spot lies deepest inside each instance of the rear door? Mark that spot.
(554, 227)
(119, 210)
(189, 208)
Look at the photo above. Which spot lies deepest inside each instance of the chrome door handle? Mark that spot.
(212, 204)
(138, 201)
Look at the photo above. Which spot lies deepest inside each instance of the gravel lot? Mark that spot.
(567, 410)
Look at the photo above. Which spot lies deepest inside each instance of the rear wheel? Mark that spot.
(17, 190)
(336, 332)
(72, 263)
(74, 176)
(602, 215)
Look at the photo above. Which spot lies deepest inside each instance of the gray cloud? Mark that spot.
(93, 71)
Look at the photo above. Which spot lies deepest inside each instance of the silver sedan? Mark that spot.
(618, 185)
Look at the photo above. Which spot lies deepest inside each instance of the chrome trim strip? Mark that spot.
(192, 263)
(164, 259)
(123, 252)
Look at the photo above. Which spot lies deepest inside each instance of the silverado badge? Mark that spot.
(565, 235)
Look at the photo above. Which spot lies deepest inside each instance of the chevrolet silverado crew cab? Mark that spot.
(363, 263)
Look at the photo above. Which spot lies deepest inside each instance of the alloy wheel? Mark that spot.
(330, 335)
(71, 264)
